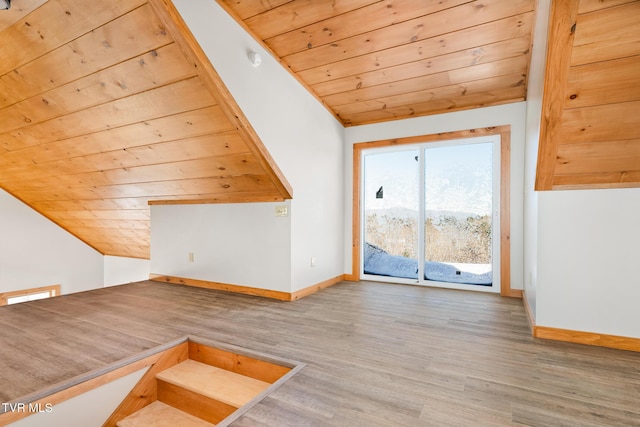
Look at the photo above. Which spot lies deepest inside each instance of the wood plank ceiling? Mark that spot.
(379, 60)
(108, 106)
(590, 136)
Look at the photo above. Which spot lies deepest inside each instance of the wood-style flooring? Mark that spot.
(376, 354)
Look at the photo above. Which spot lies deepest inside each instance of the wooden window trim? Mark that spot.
(4, 296)
(505, 192)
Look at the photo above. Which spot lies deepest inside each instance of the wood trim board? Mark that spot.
(587, 338)
(53, 289)
(315, 288)
(248, 290)
(531, 318)
(578, 337)
(561, 33)
(505, 191)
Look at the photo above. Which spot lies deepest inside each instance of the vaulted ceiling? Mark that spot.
(107, 107)
(590, 134)
(378, 60)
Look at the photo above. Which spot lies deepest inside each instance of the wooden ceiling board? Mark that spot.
(18, 11)
(140, 74)
(205, 125)
(379, 14)
(448, 21)
(607, 34)
(432, 94)
(122, 214)
(614, 81)
(297, 14)
(56, 23)
(590, 136)
(219, 145)
(248, 8)
(241, 164)
(586, 6)
(108, 107)
(464, 102)
(492, 37)
(362, 58)
(157, 189)
(124, 38)
(159, 102)
(595, 157)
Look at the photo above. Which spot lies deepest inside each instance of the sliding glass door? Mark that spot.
(391, 213)
(430, 214)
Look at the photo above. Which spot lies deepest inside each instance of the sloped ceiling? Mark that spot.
(378, 60)
(106, 107)
(590, 133)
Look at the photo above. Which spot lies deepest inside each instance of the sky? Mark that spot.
(458, 178)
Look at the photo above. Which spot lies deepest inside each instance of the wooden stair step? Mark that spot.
(218, 384)
(158, 414)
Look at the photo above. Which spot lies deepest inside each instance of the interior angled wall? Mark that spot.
(580, 245)
(306, 143)
(35, 252)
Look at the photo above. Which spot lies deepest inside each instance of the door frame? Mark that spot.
(505, 191)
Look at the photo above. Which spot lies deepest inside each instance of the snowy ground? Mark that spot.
(380, 263)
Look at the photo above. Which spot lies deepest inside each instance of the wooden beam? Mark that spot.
(562, 23)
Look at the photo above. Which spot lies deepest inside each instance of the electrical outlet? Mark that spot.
(282, 210)
(190, 256)
(313, 261)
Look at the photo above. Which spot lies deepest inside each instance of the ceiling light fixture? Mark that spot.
(254, 57)
(5, 4)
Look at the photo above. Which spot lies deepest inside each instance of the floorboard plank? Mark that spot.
(377, 354)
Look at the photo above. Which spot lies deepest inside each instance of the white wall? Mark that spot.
(36, 252)
(303, 138)
(240, 244)
(588, 277)
(92, 408)
(535, 90)
(121, 270)
(509, 114)
(581, 246)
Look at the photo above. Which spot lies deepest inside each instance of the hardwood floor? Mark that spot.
(376, 354)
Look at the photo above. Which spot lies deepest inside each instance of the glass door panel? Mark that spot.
(458, 213)
(391, 214)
